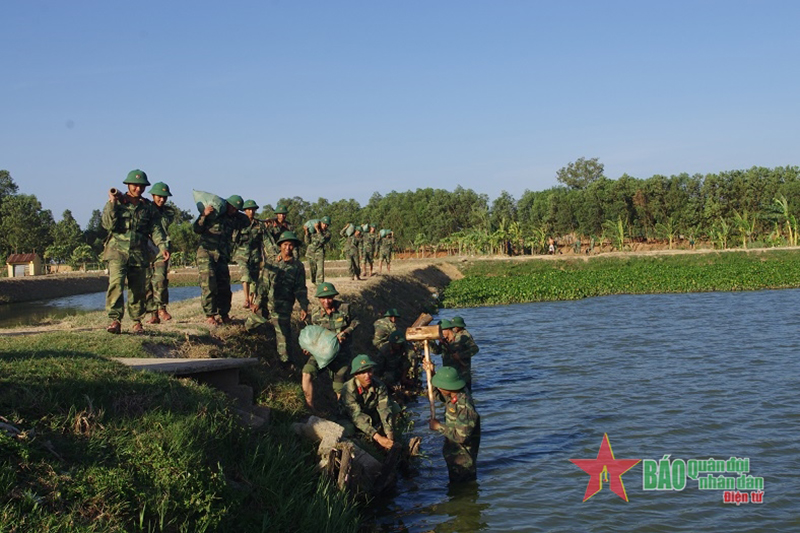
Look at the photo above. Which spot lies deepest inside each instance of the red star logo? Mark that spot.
(605, 468)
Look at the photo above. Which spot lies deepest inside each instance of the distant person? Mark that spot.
(551, 246)
(366, 404)
(386, 245)
(276, 227)
(333, 315)
(157, 283)
(316, 242)
(249, 242)
(462, 424)
(458, 348)
(369, 243)
(213, 255)
(131, 221)
(352, 247)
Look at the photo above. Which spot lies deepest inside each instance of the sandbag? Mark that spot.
(203, 199)
(310, 225)
(319, 342)
(385, 232)
(349, 229)
(364, 228)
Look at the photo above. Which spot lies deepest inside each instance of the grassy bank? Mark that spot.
(104, 448)
(505, 281)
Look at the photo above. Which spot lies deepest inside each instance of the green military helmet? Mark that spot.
(361, 363)
(391, 312)
(447, 378)
(160, 189)
(288, 236)
(250, 204)
(458, 322)
(326, 290)
(280, 209)
(136, 177)
(372, 226)
(236, 201)
(445, 324)
(326, 220)
(397, 337)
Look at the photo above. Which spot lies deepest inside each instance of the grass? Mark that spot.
(105, 448)
(503, 282)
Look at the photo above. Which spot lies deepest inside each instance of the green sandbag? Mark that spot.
(310, 225)
(321, 343)
(349, 229)
(202, 199)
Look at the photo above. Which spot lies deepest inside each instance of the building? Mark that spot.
(20, 265)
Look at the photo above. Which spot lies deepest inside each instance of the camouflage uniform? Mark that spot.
(249, 250)
(156, 282)
(130, 228)
(386, 243)
(369, 410)
(383, 328)
(463, 347)
(393, 363)
(462, 436)
(216, 241)
(351, 252)
(281, 283)
(271, 248)
(369, 242)
(315, 252)
(338, 321)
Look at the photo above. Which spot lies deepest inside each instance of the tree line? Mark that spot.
(753, 207)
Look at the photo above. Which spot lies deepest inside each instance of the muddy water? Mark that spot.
(695, 376)
(31, 313)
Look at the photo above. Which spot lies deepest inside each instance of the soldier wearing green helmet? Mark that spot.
(462, 424)
(333, 315)
(366, 405)
(315, 248)
(156, 282)
(283, 282)
(213, 255)
(352, 250)
(132, 222)
(369, 248)
(278, 225)
(383, 327)
(385, 245)
(249, 242)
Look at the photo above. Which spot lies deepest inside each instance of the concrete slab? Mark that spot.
(185, 367)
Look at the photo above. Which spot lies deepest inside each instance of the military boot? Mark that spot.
(115, 327)
(163, 315)
(153, 319)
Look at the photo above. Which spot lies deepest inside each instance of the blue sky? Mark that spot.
(341, 99)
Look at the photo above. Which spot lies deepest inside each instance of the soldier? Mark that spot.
(462, 424)
(456, 352)
(386, 243)
(156, 282)
(351, 251)
(216, 240)
(384, 327)
(283, 281)
(249, 245)
(131, 221)
(369, 248)
(315, 250)
(462, 348)
(333, 315)
(397, 363)
(277, 226)
(366, 404)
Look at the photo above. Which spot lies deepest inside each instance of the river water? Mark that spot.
(695, 376)
(29, 313)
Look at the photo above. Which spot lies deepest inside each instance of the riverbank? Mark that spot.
(101, 447)
(506, 281)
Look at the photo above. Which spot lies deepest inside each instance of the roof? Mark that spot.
(20, 258)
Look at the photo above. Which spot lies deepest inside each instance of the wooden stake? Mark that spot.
(430, 385)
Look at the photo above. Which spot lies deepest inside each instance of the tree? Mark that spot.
(24, 225)
(81, 255)
(746, 224)
(581, 173)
